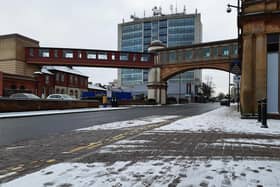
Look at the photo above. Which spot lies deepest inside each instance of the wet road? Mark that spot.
(14, 130)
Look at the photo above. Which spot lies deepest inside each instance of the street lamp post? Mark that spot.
(229, 88)
(239, 33)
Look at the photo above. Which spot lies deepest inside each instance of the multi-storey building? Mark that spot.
(172, 30)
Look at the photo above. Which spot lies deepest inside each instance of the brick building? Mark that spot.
(18, 76)
(62, 80)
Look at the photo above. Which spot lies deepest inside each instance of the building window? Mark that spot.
(55, 53)
(102, 56)
(62, 77)
(57, 91)
(47, 80)
(57, 77)
(91, 55)
(68, 54)
(76, 80)
(206, 53)
(273, 42)
(71, 79)
(124, 56)
(62, 91)
(31, 52)
(22, 87)
(225, 51)
(45, 53)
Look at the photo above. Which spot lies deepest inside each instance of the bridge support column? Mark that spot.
(157, 89)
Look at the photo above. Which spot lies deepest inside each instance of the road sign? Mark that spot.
(235, 67)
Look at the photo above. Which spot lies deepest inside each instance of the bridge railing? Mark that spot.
(86, 56)
(199, 53)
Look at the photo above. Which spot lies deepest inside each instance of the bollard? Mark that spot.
(259, 110)
(264, 113)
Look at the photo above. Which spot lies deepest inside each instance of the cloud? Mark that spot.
(93, 23)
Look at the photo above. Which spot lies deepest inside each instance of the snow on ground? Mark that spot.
(51, 112)
(171, 171)
(158, 173)
(119, 146)
(223, 119)
(269, 142)
(130, 123)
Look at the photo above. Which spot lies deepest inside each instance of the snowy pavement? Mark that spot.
(221, 120)
(181, 172)
(213, 149)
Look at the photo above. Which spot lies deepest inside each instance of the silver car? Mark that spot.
(60, 97)
(24, 96)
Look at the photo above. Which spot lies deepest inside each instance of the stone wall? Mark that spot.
(17, 105)
(259, 18)
(12, 54)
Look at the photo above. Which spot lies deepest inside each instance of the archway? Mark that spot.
(161, 90)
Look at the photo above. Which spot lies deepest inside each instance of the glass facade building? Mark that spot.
(172, 30)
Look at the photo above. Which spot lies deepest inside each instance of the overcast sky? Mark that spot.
(93, 24)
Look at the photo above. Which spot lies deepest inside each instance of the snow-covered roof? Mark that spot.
(62, 69)
(94, 87)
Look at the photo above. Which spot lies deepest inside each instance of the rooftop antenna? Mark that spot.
(196, 11)
(154, 11)
(171, 9)
(176, 7)
(123, 20)
(133, 16)
(184, 9)
(144, 13)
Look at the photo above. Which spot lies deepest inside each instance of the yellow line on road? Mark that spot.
(50, 161)
(17, 168)
(94, 146)
(118, 137)
(77, 149)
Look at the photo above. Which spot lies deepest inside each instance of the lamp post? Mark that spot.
(239, 33)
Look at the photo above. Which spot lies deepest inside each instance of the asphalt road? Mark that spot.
(14, 130)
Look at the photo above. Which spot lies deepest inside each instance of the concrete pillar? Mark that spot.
(1, 84)
(247, 95)
(157, 89)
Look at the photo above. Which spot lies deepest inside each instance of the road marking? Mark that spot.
(17, 168)
(118, 137)
(50, 161)
(34, 162)
(7, 175)
(77, 149)
(94, 146)
(16, 147)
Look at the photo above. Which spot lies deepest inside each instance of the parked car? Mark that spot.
(24, 96)
(224, 102)
(60, 97)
